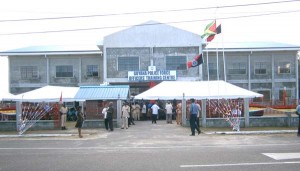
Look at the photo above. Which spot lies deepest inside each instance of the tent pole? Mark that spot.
(246, 112)
(203, 106)
(183, 110)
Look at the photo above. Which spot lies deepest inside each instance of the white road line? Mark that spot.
(239, 164)
(144, 147)
(283, 156)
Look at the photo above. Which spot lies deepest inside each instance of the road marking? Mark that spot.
(283, 156)
(147, 146)
(240, 164)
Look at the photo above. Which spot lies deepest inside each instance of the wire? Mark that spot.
(147, 12)
(174, 22)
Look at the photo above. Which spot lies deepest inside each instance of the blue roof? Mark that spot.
(105, 92)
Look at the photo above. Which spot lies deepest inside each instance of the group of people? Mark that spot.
(80, 118)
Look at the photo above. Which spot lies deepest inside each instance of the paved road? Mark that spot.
(147, 146)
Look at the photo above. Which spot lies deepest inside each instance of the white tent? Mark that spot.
(4, 95)
(168, 90)
(47, 94)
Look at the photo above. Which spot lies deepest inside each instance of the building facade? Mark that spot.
(147, 54)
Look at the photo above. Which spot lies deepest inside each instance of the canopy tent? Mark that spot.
(4, 95)
(105, 92)
(168, 90)
(47, 94)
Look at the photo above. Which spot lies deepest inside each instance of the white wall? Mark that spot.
(4, 74)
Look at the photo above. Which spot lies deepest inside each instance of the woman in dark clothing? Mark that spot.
(79, 122)
(110, 115)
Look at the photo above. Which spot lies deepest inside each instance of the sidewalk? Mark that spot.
(140, 126)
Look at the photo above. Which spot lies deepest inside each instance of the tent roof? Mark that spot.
(105, 92)
(168, 90)
(48, 94)
(4, 95)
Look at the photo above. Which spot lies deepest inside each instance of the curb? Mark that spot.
(253, 132)
(35, 135)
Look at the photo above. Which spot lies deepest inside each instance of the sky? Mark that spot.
(36, 22)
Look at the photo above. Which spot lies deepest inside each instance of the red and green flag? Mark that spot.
(211, 30)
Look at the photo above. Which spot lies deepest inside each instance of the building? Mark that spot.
(152, 52)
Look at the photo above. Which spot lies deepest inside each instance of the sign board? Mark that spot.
(151, 68)
(160, 75)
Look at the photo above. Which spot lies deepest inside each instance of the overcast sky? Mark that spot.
(246, 20)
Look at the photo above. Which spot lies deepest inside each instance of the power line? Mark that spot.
(147, 12)
(174, 22)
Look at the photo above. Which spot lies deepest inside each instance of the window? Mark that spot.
(237, 68)
(176, 63)
(29, 72)
(288, 94)
(92, 71)
(266, 96)
(128, 63)
(284, 68)
(212, 67)
(260, 68)
(64, 71)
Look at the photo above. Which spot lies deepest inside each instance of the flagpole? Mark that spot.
(207, 62)
(217, 54)
(224, 62)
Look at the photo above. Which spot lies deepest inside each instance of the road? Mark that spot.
(147, 146)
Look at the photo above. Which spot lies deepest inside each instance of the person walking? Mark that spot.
(169, 113)
(125, 115)
(110, 115)
(155, 109)
(298, 113)
(63, 111)
(80, 119)
(193, 117)
(104, 112)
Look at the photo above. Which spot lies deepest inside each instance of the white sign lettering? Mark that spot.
(161, 75)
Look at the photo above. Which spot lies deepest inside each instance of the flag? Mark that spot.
(210, 38)
(210, 29)
(60, 99)
(217, 31)
(198, 60)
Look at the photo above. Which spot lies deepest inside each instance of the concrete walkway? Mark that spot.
(146, 128)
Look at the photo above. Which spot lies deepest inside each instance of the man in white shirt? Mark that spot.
(155, 109)
(169, 109)
(104, 112)
(125, 115)
(63, 111)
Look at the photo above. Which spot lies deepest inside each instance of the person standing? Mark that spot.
(193, 117)
(104, 112)
(125, 115)
(155, 109)
(144, 111)
(298, 113)
(169, 113)
(198, 116)
(179, 113)
(80, 119)
(63, 110)
(110, 115)
(137, 111)
(236, 114)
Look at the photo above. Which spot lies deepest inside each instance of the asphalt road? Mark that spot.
(147, 146)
